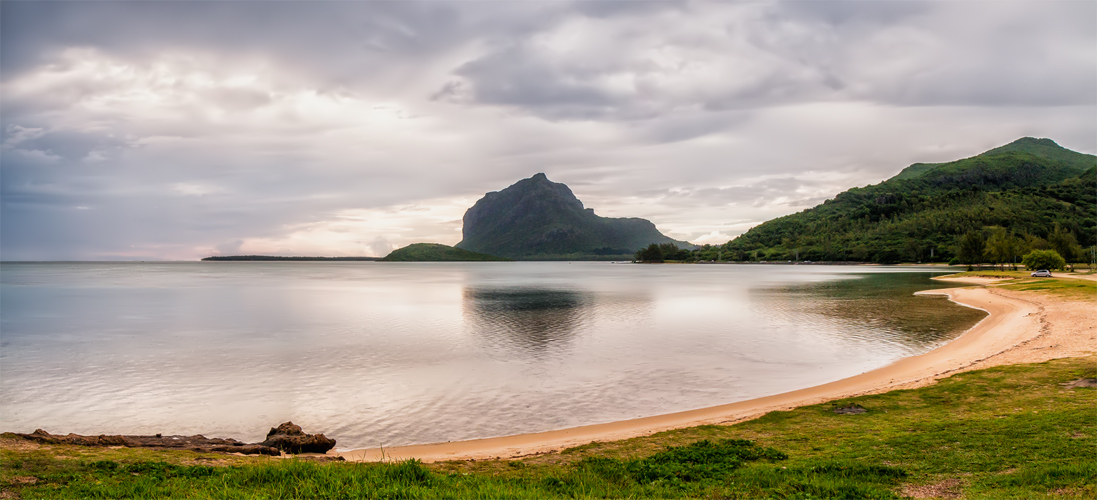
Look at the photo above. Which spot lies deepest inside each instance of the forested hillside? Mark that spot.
(1021, 190)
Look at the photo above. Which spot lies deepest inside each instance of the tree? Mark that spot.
(913, 249)
(1063, 242)
(1043, 259)
(996, 247)
(1034, 243)
(1002, 247)
(1015, 247)
(887, 256)
(650, 254)
(670, 251)
(971, 247)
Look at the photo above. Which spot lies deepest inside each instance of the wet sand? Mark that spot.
(1017, 324)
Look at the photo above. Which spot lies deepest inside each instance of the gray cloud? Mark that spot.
(176, 129)
(755, 194)
(733, 56)
(853, 12)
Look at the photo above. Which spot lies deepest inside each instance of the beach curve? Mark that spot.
(1010, 322)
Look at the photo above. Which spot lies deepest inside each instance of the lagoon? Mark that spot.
(390, 354)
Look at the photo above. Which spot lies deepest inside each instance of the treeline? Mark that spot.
(1002, 247)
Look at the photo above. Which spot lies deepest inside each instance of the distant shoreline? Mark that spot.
(245, 258)
(271, 258)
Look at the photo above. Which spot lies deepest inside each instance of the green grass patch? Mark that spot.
(1006, 432)
(1062, 284)
(993, 274)
(1073, 288)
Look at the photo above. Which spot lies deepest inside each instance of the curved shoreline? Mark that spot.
(1009, 323)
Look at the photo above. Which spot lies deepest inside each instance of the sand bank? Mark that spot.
(1013, 322)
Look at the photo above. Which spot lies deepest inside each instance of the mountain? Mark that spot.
(1072, 162)
(537, 219)
(1026, 187)
(436, 252)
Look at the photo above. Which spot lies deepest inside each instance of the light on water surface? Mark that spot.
(402, 353)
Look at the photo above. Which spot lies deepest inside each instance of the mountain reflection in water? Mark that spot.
(534, 320)
(866, 308)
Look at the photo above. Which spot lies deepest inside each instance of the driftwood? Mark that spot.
(287, 438)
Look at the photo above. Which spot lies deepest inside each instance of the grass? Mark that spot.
(1062, 285)
(1005, 432)
(1080, 289)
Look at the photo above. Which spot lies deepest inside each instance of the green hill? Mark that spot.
(436, 252)
(537, 219)
(1026, 186)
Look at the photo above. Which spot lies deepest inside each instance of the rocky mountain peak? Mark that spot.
(536, 218)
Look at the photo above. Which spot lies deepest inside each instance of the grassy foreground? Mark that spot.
(1006, 432)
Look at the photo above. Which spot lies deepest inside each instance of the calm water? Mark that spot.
(391, 353)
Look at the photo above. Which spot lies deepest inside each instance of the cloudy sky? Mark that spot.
(176, 130)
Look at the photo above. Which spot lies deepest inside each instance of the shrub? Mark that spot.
(1043, 259)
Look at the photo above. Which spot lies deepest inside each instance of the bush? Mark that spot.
(1043, 259)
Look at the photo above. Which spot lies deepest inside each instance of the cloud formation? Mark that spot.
(176, 130)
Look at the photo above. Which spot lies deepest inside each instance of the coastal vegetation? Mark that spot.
(662, 253)
(1028, 195)
(1021, 431)
(436, 252)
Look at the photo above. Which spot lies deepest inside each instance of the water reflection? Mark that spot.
(426, 352)
(871, 307)
(531, 320)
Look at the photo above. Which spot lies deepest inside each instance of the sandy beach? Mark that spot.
(1019, 328)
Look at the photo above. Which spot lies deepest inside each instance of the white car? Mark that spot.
(1043, 273)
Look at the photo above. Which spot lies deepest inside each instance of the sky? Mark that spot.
(177, 130)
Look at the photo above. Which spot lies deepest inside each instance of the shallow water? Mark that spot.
(403, 353)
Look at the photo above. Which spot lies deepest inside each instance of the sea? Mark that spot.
(387, 354)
